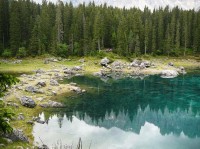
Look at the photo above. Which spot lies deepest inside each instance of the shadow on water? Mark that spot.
(173, 105)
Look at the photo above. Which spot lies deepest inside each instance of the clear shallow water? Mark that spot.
(153, 113)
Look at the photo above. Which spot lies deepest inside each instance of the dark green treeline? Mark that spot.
(27, 28)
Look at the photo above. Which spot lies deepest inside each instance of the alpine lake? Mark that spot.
(129, 113)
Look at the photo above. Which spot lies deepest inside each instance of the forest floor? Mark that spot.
(90, 65)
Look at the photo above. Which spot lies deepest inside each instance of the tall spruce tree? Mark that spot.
(15, 28)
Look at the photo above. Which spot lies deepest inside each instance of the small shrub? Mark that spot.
(62, 50)
(101, 54)
(22, 52)
(7, 53)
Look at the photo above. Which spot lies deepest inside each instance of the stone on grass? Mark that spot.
(41, 83)
(27, 102)
(17, 135)
(54, 82)
(105, 61)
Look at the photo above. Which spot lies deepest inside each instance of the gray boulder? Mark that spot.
(181, 70)
(39, 71)
(68, 71)
(169, 74)
(77, 68)
(54, 82)
(27, 102)
(105, 61)
(41, 83)
(147, 64)
(142, 65)
(32, 89)
(17, 135)
(117, 65)
(135, 63)
(20, 117)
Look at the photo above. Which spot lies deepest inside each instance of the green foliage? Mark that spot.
(5, 114)
(7, 53)
(101, 54)
(62, 50)
(22, 52)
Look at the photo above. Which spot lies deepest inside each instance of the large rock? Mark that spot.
(39, 71)
(147, 63)
(181, 70)
(117, 65)
(52, 104)
(17, 135)
(77, 68)
(27, 102)
(32, 89)
(136, 63)
(68, 71)
(169, 74)
(41, 83)
(54, 82)
(141, 64)
(105, 61)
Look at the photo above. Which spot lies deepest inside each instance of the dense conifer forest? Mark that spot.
(27, 28)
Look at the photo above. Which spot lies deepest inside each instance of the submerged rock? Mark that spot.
(27, 102)
(52, 104)
(76, 89)
(169, 74)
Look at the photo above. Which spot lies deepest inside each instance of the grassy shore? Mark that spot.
(91, 65)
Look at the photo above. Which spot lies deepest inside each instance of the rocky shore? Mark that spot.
(39, 90)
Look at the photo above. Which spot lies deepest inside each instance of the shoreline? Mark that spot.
(42, 94)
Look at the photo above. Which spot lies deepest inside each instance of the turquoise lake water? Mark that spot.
(149, 113)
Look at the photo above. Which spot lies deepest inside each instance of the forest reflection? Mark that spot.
(173, 105)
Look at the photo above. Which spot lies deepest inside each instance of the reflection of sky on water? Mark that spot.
(153, 113)
(113, 138)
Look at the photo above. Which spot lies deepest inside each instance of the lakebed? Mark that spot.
(52, 74)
